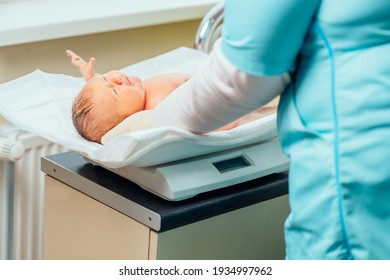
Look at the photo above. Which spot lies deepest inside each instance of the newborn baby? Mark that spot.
(108, 99)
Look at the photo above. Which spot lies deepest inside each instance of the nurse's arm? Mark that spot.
(218, 94)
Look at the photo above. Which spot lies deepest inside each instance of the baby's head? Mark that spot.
(104, 102)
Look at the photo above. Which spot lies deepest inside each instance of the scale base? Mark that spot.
(186, 178)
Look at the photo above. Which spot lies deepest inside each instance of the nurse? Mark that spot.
(333, 116)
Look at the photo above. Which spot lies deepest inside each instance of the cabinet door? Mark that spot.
(252, 232)
(79, 227)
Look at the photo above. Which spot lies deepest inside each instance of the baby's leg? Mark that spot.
(266, 110)
(258, 114)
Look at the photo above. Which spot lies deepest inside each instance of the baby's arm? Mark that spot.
(165, 82)
(160, 86)
(87, 70)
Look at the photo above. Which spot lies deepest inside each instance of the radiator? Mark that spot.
(22, 213)
(6, 194)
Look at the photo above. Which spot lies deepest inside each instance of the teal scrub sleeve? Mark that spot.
(263, 37)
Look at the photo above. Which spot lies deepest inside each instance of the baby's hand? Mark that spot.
(87, 70)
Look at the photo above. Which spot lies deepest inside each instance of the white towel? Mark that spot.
(41, 104)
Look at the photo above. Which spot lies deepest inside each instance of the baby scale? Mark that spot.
(186, 178)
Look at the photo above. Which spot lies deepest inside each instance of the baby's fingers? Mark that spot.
(71, 54)
(75, 59)
(89, 71)
(91, 64)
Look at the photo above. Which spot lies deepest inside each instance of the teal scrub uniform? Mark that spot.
(333, 119)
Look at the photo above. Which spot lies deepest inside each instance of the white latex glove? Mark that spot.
(136, 122)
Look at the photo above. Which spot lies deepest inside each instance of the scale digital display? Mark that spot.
(231, 164)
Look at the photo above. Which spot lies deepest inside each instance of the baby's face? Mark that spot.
(117, 93)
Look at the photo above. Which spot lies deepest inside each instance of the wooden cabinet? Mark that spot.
(80, 227)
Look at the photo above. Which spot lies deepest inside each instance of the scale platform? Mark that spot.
(183, 179)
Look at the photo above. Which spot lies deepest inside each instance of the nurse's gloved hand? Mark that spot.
(136, 122)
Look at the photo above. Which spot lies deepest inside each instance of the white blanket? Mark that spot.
(41, 103)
